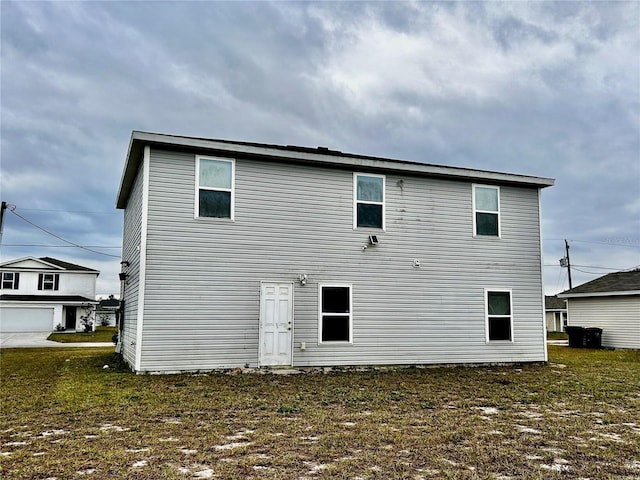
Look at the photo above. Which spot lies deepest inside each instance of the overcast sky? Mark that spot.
(546, 89)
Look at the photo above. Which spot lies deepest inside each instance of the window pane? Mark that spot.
(487, 224)
(370, 189)
(335, 300)
(499, 303)
(215, 204)
(499, 328)
(215, 174)
(369, 215)
(335, 329)
(486, 199)
(7, 280)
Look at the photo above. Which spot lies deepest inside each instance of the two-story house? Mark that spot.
(244, 254)
(44, 294)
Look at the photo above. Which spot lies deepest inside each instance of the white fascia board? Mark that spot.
(599, 294)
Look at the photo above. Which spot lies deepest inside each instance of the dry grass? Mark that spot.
(64, 416)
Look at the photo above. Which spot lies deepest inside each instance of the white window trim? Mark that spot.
(13, 281)
(52, 282)
(232, 190)
(475, 231)
(320, 314)
(486, 313)
(356, 201)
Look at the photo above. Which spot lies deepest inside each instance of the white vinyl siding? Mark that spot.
(131, 252)
(202, 297)
(618, 316)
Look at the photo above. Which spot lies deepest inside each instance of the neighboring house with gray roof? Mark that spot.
(107, 311)
(555, 310)
(38, 294)
(611, 302)
(239, 253)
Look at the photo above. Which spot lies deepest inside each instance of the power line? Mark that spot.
(584, 271)
(12, 209)
(616, 242)
(69, 211)
(55, 246)
(589, 266)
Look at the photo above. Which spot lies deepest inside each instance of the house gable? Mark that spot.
(29, 263)
(44, 264)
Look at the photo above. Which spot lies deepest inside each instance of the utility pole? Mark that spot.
(566, 248)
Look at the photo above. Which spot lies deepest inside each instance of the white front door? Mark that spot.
(276, 323)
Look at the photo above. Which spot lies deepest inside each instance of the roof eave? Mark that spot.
(140, 139)
(599, 294)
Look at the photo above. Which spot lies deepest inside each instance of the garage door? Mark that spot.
(26, 319)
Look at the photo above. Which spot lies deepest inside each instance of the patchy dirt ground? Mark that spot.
(65, 416)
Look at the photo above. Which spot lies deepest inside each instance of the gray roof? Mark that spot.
(66, 265)
(619, 283)
(552, 302)
(52, 264)
(320, 156)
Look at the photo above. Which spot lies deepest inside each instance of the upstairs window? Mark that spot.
(335, 313)
(499, 318)
(486, 211)
(48, 281)
(10, 280)
(368, 200)
(215, 187)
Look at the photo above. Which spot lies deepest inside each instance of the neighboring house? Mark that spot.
(107, 311)
(241, 254)
(38, 294)
(555, 310)
(612, 303)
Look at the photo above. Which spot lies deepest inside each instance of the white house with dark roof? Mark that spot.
(555, 310)
(42, 294)
(238, 253)
(611, 302)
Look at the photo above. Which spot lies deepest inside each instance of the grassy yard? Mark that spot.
(65, 416)
(557, 336)
(101, 334)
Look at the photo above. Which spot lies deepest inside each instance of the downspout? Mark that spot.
(142, 266)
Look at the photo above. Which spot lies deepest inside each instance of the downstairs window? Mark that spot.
(499, 320)
(335, 313)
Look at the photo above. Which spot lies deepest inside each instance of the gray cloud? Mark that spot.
(549, 89)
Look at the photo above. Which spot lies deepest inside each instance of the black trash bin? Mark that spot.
(593, 337)
(576, 336)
